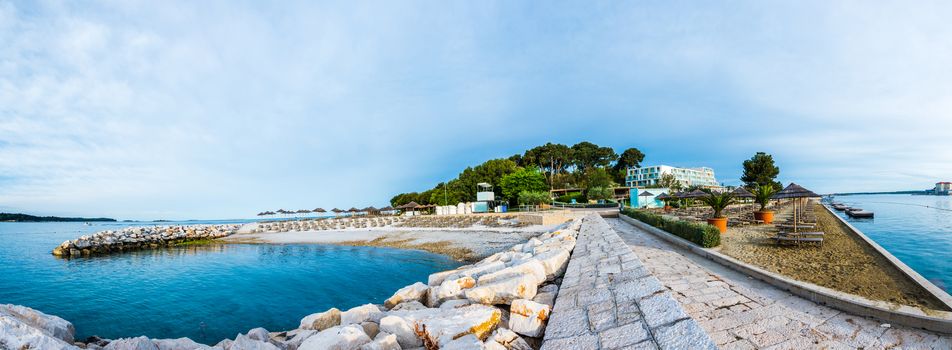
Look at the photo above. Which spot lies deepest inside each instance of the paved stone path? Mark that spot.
(609, 300)
(740, 312)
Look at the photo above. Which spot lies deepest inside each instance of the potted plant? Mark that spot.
(762, 196)
(717, 202)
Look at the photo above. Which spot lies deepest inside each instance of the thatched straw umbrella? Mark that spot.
(742, 192)
(353, 211)
(388, 209)
(664, 197)
(798, 193)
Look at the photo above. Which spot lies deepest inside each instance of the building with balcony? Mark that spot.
(650, 176)
(943, 188)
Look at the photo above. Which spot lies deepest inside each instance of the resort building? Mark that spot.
(650, 176)
(943, 188)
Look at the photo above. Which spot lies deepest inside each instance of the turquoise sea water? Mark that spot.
(207, 293)
(915, 229)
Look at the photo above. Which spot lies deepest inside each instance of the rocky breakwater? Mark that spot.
(136, 238)
(502, 302)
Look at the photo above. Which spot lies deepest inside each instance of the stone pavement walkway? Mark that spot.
(740, 312)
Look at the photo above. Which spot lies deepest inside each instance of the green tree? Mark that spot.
(602, 193)
(490, 172)
(525, 179)
(587, 155)
(534, 197)
(760, 170)
(670, 182)
(553, 158)
(630, 158)
(597, 177)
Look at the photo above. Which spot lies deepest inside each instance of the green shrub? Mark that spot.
(577, 196)
(534, 197)
(703, 235)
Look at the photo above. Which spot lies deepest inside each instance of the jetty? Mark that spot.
(138, 238)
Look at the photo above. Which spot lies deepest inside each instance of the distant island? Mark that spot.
(11, 217)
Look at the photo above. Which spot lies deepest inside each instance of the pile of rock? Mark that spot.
(135, 238)
(502, 302)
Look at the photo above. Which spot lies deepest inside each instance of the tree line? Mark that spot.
(591, 168)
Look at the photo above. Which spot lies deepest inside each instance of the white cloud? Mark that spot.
(185, 109)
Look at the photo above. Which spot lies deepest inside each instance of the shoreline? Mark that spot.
(464, 245)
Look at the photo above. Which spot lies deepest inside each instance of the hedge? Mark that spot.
(703, 235)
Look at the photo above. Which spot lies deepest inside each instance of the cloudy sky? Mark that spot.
(208, 109)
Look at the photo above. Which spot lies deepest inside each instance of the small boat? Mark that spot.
(840, 207)
(859, 213)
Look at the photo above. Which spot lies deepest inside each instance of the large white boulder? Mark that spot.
(179, 344)
(16, 334)
(504, 292)
(554, 261)
(410, 305)
(245, 342)
(139, 343)
(52, 325)
(363, 313)
(477, 320)
(466, 342)
(478, 270)
(528, 318)
(532, 268)
(296, 337)
(383, 341)
(413, 292)
(451, 288)
(322, 320)
(402, 329)
(349, 337)
(509, 339)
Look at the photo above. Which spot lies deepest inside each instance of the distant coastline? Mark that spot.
(18, 217)
(887, 192)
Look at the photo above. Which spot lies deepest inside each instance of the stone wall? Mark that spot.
(609, 300)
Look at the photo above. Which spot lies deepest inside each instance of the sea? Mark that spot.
(916, 229)
(207, 292)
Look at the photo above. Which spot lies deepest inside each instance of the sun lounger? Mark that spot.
(796, 226)
(795, 239)
(814, 233)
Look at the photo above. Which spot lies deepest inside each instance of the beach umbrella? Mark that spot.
(797, 193)
(645, 194)
(695, 194)
(664, 197)
(319, 210)
(741, 192)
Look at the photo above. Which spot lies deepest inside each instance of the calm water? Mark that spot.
(916, 229)
(206, 293)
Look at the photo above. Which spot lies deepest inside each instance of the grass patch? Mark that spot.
(196, 242)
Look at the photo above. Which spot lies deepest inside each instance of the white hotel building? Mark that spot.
(650, 176)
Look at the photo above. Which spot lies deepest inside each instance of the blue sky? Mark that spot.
(221, 109)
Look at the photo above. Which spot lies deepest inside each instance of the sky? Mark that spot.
(221, 109)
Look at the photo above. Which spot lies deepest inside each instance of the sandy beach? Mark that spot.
(465, 244)
(843, 262)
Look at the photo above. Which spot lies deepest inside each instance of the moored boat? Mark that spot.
(839, 206)
(859, 213)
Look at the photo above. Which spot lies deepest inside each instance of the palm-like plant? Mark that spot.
(762, 195)
(718, 201)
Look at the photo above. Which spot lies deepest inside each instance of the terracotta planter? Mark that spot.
(667, 208)
(720, 223)
(766, 216)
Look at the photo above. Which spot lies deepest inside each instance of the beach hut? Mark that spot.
(797, 193)
(409, 207)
